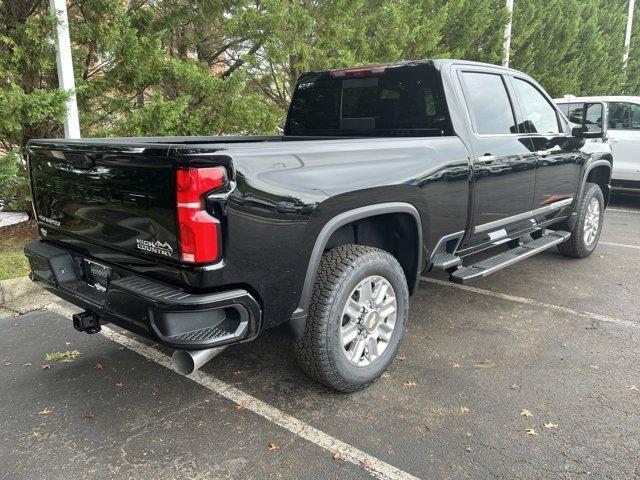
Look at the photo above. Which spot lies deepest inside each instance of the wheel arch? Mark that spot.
(598, 172)
(327, 238)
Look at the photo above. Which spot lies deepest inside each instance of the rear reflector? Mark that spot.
(199, 232)
(359, 72)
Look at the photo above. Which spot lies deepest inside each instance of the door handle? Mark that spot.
(487, 159)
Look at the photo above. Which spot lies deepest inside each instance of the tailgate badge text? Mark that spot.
(157, 247)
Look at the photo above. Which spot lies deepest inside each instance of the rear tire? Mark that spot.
(357, 318)
(586, 232)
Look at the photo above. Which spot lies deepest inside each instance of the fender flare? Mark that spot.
(570, 222)
(596, 163)
(299, 316)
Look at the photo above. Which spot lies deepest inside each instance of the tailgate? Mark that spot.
(115, 202)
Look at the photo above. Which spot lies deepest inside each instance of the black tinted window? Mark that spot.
(624, 116)
(488, 103)
(403, 101)
(538, 114)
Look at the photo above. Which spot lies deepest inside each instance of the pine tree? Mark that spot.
(632, 80)
(570, 46)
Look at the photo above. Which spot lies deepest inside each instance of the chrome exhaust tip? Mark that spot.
(185, 362)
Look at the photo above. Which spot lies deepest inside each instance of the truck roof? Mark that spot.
(439, 63)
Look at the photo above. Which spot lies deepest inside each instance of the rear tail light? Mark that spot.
(359, 72)
(198, 231)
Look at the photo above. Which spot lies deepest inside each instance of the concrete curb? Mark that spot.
(14, 288)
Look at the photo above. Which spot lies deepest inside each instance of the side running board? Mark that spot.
(493, 264)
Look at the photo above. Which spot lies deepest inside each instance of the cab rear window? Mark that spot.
(402, 101)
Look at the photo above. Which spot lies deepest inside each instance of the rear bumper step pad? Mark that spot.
(487, 267)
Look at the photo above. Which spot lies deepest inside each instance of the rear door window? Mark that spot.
(539, 116)
(488, 103)
(624, 116)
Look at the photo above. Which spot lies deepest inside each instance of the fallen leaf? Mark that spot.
(99, 366)
(468, 449)
(240, 407)
(513, 386)
(409, 384)
(45, 411)
(46, 366)
(238, 372)
(401, 358)
(368, 418)
(386, 375)
(120, 384)
(8, 364)
(337, 456)
(366, 464)
(429, 337)
(36, 435)
(27, 364)
(526, 413)
(464, 409)
(272, 447)
(455, 365)
(88, 416)
(531, 431)
(550, 425)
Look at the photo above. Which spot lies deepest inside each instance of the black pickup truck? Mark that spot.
(384, 173)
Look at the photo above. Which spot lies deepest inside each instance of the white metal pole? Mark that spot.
(627, 37)
(506, 47)
(65, 68)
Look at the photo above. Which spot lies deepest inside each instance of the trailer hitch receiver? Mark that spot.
(86, 321)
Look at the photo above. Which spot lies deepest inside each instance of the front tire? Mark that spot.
(357, 318)
(586, 232)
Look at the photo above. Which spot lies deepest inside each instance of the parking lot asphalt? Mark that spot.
(530, 373)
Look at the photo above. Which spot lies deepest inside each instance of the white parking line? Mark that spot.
(348, 453)
(623, 210)
(535, 303)
(637, 247)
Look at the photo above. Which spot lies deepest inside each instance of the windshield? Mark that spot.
(403, 101)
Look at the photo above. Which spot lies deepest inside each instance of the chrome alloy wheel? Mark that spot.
(591, 222)
(368, 321)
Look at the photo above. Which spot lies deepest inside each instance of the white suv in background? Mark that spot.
(623, 123)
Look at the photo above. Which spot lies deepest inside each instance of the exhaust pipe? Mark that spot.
(185, 362)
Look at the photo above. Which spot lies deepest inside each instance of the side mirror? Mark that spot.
(593, 124)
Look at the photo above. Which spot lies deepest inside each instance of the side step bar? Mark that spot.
(493, 264)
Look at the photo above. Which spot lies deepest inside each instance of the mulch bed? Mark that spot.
(18, 235)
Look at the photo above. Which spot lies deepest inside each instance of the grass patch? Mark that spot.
(66, 357)
(13, 238)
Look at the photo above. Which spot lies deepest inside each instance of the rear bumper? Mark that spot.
(169, 315)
